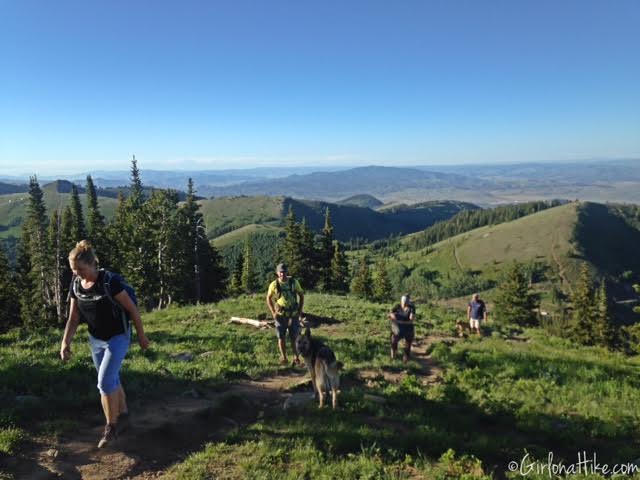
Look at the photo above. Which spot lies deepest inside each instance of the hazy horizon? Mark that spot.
(53, 171)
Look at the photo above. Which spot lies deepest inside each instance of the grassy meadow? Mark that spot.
(510, 393)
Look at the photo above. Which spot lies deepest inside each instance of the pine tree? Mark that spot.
(290, 248)
(96, 225)
(604, 329)
(205, 278)
(213, 274)
(381, 283)
(37, 300)
(248, 282)
(582, 302)
(163, 276)
(130, 233)
(59, 261)
(9, 304)
(79, 230)
(514, 302)
(308, 274)
(136, 193)
(339, 270)
(326, 253)
(361, 284)
(235, 286)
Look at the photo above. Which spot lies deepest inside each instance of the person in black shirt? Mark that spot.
(101, 306)
(402, 318)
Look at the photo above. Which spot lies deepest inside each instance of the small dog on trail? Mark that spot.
(322, 365)
(463, 328)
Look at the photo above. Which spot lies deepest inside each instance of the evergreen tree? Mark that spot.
(136, 193)
(136, 253)
(604, 329)
(361, 284)
(235, 286)
(514, 302)
(79, 231)
(163, 275)
(213, 274)
(326, 254)
(381, 283)
(248, 282)
(59, 259)
(205, 276)
(339, 270)
(37, 300)
(96, 225)
(308, 275)
(9, 303)
(290, 248)
(582, 302)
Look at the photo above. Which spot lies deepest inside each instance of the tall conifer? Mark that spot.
(361, 283)
(381, 284)
(249, 284)
(339, 269)
(79, 229)
(9, 304)
(326, 253)
(514, 302)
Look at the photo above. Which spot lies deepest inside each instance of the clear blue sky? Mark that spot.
(185, 84)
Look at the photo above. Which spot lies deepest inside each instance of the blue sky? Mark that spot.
(84, 85)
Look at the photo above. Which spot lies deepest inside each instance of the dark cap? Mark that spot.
(282, 268)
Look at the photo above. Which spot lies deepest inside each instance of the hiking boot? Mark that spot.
(405, 358)
(109, 435)
(123, 422)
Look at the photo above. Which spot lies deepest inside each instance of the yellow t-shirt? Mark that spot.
(288, 297)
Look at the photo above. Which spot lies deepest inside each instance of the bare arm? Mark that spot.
(124, 299)
(270, 306)
(70, 331)
(468, 312)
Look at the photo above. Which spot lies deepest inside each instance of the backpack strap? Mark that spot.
(117, 307)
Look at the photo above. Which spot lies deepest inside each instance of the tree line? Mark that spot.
(587, 318)
(317, 260)
(160, 247)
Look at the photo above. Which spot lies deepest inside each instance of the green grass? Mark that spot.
(500, 397)
(543, 237)
(224, 214)
(10, 439)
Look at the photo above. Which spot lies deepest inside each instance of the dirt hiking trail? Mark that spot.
(166, 431)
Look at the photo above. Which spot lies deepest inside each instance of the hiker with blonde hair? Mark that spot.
(107, 304)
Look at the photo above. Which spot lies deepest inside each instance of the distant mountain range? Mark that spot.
(602, 181)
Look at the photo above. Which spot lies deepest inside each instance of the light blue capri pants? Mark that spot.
(107, 357)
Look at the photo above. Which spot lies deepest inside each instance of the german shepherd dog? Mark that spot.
(322, 365)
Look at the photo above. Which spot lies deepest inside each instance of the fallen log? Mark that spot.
(252, 322)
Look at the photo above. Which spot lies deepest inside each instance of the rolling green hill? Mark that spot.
(362, 200)
(225, 214)
(13, 208)
(552, 243)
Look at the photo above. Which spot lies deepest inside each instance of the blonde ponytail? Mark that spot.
(82, 252)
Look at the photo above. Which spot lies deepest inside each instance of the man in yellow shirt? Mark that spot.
(285, 299)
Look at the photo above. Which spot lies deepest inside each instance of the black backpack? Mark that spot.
(117, 310)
